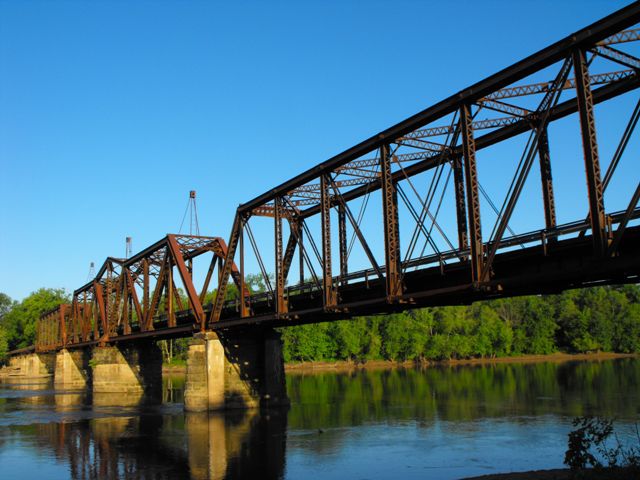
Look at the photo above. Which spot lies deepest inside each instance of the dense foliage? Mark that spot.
(588, 320)
(18, 319)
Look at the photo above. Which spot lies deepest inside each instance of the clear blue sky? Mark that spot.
(110, 112)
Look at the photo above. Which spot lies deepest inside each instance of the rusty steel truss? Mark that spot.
(319, 215)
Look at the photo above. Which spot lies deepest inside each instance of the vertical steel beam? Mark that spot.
(93, 311)
(342, 234)
(85, 327)
(590, 149)
(329, 297)
(280, 303)
(220, 267)
(134, 298)
(107, 297)
(171, 318)
(63, 325)
(547, 181)
(145, 288)
(118, 291)
(97, 291)
(75, 307)
(461, 208)
(244, 311)
(473, 201)
(126, 302)
(391, 230)
(157, 293)
(301, 252)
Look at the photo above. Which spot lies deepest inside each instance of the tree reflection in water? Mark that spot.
(105, 442)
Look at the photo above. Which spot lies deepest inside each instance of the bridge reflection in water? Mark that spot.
(196, 446)
(339, 423)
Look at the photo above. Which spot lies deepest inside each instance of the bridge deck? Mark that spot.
(532, 270)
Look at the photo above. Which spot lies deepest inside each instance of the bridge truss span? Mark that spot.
(411, 171)
(406, 218)
(136, 297)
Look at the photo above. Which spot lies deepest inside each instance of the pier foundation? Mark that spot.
(72, 369)
(230, 372)
(130, 371)
(32, 365)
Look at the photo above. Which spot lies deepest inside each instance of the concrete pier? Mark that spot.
(225, 372)
(31, 366)
(131, 371)
(72, 369)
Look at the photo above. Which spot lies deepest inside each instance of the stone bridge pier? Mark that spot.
(126, 374)
(232, 371)
(239, 370)
(34, 366)
(72, 370)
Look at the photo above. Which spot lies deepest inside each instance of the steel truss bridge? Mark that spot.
(316, 219)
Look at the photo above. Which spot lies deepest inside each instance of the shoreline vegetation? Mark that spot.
(597, 319)
(586, 321)
(558, 357)
(620, 473)
(349, 365)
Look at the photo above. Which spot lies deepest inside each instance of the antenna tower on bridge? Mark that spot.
(92, 271)
(192, 211)
(128, 247)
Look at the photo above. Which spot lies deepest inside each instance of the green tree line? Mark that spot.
(18, 319)
(587, 320)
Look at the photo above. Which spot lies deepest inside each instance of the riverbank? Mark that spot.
(385, 364)
(342, 366)
(562, 474)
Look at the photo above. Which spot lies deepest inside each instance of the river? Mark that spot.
(438, 422)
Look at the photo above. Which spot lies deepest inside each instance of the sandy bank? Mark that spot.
(305, 367)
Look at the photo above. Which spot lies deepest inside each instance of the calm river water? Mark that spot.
(439, 423)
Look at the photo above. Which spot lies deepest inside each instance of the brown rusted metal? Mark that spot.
(280, 273)
(547, 181)
(195, 301)
(229, 267)
(473, 201)
(342, 242)
(461, 209)
(391, 227)
(244, 307)
(590, 149)
(290, 249)
(325, 221)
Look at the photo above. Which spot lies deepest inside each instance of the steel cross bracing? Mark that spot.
(382, 202)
